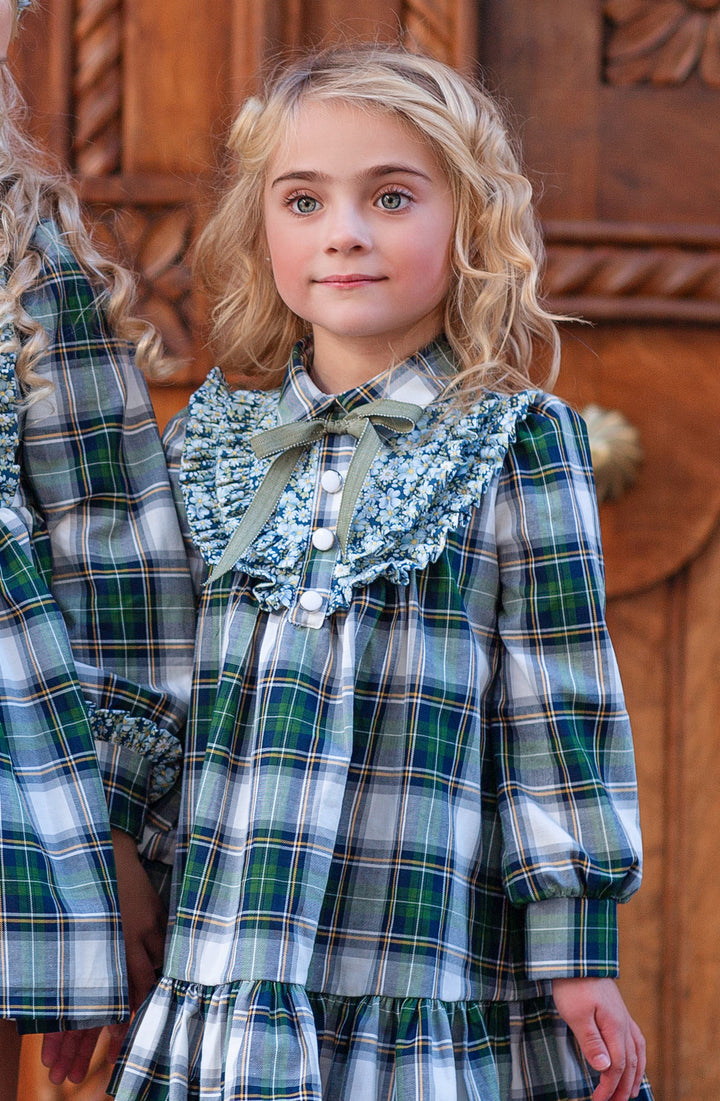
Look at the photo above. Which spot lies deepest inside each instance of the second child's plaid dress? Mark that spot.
(96, 625)
(409, 798)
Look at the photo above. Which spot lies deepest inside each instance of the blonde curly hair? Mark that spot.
(32, 190)
(502, 336)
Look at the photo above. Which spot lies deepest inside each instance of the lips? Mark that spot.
(356, 279)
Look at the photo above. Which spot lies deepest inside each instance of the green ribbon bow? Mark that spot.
(287, 443)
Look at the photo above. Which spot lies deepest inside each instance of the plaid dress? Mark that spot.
(409, 798)
(96, 620)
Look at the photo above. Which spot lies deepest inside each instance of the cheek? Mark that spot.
(280, 256)
(285, 284)
(428, 248)
(288, 276)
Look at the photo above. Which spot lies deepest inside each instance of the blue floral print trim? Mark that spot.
(142, 736)
(421, 486)
(9, 469)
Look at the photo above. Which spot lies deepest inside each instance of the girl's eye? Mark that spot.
(393, 200)
(302, 204)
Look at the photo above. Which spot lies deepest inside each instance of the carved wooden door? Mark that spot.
(620, 110)
(618, 107)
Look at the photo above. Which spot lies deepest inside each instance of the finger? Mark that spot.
(641, 1051)
(594, 1047)
(51, 1048)
(63, 1057)
(605, 1091)
(611, 1076)
(83, 1055)
(116, 1035)
(623, 1090)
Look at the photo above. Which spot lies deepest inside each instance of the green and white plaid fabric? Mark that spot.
(96, 623)
(401, 818)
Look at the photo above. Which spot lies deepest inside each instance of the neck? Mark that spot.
(342, 364)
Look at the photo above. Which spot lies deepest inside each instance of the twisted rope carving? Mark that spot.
(665, 272)
(97, 86)
(631, 281)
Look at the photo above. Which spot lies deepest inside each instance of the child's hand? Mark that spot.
(143, 919)
(609, 1038)
(68, 1054)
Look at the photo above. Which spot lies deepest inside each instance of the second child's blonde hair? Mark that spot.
(498, 329)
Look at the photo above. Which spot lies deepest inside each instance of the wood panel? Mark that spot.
(176, 76)
(623, 168)
(698, 894)
(661, 557)
(639, 629)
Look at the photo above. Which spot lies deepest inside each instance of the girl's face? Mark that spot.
(7, 22)
(359, 222)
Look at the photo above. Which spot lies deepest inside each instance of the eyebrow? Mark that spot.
(374, 173)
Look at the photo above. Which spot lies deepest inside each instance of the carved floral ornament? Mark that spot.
(154, 243)
(662, 41)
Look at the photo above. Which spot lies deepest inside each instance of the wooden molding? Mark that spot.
(148, 189)
(662, 42)
(612, 271)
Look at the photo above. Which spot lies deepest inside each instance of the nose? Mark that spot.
(348, 230)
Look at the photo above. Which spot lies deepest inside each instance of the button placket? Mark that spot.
(316, 582)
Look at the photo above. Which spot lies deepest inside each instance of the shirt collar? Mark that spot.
(420, 379)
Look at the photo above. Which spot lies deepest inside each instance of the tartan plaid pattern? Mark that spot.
(96, 607)
(407, 817)
(56, 869)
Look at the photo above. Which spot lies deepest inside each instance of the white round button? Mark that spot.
(311, 600)
(331, 481)
(323, 539)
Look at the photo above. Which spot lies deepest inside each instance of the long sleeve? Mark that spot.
(106, 538)
(562, 742)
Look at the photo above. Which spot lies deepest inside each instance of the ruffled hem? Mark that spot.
(270, 1041)
(162, 750)
(421, 486)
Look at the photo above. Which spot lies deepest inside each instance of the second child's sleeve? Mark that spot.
(106, 538)
(563, 749)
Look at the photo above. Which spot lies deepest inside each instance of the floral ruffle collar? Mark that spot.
(421, 486)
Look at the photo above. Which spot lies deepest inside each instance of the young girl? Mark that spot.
(409, 802)
(96, 620)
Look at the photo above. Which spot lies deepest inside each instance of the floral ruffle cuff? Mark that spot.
(9, 470)
(139, 763)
